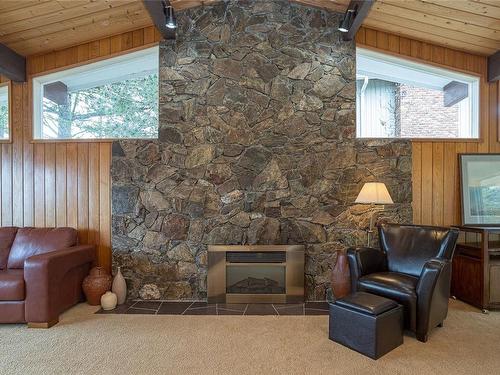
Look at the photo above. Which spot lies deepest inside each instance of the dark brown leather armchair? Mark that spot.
(413, 268)
(41, 273)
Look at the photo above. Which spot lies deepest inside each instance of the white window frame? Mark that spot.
(472, 133)
(40, 80)
(8, 85)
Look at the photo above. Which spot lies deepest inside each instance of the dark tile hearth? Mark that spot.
(208, 310)
(140, 311)
(198, 308)
(204, 308)
(290, 309)
(150, 305)
(120, 309)
(173, 308)
(315, 308)
(261, 309)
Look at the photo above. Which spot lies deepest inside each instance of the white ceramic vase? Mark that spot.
(108, 301)
(119, 287)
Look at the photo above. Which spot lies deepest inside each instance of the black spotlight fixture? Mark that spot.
(170, 20)
(346, 23)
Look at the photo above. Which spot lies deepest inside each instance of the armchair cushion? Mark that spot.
(33, 241)
(11, 285)
(396, 286)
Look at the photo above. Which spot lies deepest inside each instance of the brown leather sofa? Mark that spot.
(41, 274)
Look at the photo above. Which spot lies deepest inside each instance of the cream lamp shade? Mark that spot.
(374, 193)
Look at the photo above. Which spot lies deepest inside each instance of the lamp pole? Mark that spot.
(376, 210)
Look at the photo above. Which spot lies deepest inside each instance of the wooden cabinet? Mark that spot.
(476, 267)
(495, 284)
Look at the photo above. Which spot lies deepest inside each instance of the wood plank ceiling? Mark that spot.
(34, 26)
(471, 26)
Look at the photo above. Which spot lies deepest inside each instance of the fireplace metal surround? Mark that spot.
(255, 274)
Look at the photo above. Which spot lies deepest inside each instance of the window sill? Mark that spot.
(450, 140)
(90, 140)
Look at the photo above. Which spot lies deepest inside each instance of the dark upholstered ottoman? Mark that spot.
(370, 324)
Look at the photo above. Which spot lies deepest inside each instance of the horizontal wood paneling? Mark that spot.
(436, 189)
(63, 183)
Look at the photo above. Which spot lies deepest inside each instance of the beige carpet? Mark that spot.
(84, 343)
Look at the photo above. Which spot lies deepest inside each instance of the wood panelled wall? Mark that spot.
(47, 184)
(436, 189)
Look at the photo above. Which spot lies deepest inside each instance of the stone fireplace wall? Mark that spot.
(256, 146)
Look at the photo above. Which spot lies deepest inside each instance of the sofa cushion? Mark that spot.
(33, 241)
(396, 286)
(12, 285)
(7, 235)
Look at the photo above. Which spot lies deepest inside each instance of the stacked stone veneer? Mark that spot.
(256, 145)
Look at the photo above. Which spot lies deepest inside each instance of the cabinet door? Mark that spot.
(495, 284)
(467, 280)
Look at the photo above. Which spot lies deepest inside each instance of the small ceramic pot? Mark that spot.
(108, 301)
(96, 284)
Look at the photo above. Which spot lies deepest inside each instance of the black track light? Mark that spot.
(170, 20)
(346, 23)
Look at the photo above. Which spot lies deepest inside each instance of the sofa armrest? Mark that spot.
(363, 261)
(433, 292)
(54, 281)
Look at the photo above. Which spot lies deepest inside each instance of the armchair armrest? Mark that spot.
(433, 291)
(54, 280)
(363, 261)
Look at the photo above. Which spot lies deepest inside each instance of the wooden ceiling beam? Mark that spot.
(362, 9)
(155, 10)
(494, 67)
(12, 65)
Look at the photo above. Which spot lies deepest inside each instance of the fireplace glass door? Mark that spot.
(255, 274)
(255, 278)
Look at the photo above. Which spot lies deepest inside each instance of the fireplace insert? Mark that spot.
(256, 274)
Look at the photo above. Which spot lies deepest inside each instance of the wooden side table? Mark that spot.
(476, 267)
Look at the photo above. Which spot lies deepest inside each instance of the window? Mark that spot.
(397, 98)
(113, 98)
(4, 111)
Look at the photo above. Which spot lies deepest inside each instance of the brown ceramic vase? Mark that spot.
(96, 284)
(341, 276)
